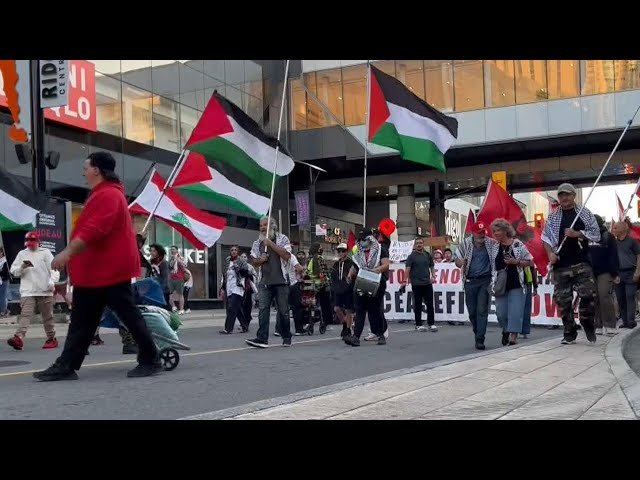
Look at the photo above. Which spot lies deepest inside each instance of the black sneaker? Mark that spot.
(352, 340)
(145, 370)
(129, 349)
(56, 372)
(382, 340)
(286, 342)
(256, 342)
(480, 345)
(345, 331)
(591, 336)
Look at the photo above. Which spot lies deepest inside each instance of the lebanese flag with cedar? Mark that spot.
(499, 204)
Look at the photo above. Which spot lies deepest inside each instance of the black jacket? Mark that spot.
(604, 255)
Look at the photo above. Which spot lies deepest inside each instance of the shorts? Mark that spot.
(176, 286)
(344, 300)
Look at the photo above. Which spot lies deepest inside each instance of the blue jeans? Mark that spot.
(3, 296)
(510, 310)
(478, 298)
(526, 319)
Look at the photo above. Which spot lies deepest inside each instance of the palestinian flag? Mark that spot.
(222, 188)
(229, 137)
(19, 204)
(401, 120)
(201, 228)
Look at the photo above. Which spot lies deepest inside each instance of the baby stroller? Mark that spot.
(310, 308)
(162, 324)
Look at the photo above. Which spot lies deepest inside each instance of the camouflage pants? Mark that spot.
(578, 278)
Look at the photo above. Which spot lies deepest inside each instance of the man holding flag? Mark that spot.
(571, 262)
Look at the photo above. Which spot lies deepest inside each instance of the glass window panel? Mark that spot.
(310, 82)
(109, 105)
(252, 71)
(468, 85)
(411, 73)
(298, 106)
(107, 67)
(354, 85)
(137, 72)
(597, 76)
(165, 78)
(188, 119)
(563, 77)
(137, 114)
(214, 68)
(197, 65)
(387, 66)
(316, 117)
(234, 72)
(255, 108)
(439, 84)
(531, 81)
(234, 95)
(329, 86)
(165, 124)
(499, 83)
(191, 87)
(627, 74)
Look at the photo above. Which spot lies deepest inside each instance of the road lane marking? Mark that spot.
(193, 354)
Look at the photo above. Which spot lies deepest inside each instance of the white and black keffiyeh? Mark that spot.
(551, 232)
(374, 255)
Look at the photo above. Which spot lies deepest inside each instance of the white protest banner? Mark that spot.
(449, 302)
(399, 251)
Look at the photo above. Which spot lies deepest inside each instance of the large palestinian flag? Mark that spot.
(401, 120)
(19, 204)
(200, 228)
(229, 188)
(231, 139)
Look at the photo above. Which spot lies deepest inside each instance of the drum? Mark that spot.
(367, 282)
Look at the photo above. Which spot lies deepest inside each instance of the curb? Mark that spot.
(627, 378)
(296, 397)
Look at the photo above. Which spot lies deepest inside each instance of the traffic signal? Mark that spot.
(538, 219)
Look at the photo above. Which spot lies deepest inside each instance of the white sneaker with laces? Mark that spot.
(433, 328)
(598, 331)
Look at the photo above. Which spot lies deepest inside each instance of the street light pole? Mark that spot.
(38, 168)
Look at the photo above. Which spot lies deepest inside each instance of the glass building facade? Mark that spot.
(143, 112)
(457, 85)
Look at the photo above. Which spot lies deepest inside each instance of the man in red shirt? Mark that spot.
(101, 258)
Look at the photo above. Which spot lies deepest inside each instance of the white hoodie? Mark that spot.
(39, 280)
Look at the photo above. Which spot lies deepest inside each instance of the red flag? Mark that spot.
(471, 219)
(499, 204)
(634, 231)
(194, 169)
(351, 241)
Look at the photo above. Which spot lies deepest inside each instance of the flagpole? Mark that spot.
(170, 180)
(366, 139)
(275, 159)
(635, 192)
(600, 176)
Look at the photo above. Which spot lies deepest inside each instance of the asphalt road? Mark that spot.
(219, 372)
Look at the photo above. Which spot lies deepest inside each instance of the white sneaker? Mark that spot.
(181, 312)
(371, 337)
(188, 310)
(598, 331)
(386, 333)
(174, 309)
(610, 331)
(433, 328)
(421, 328)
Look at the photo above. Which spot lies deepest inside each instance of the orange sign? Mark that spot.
(80, 111)
(17, 85)
(500, 178)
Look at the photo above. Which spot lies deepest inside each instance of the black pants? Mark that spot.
(373, 307)
(88, 306)
(423, 293)
(234, 310)
(185, 293)
(266, 295)
(323, 297)
(295, 302)
(247, 301)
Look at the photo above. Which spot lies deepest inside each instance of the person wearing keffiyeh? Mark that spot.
(572, 270)
(372, 256)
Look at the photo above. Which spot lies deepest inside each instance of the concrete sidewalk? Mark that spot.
(540, 381)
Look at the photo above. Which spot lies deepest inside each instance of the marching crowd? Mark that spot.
(587, 261)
